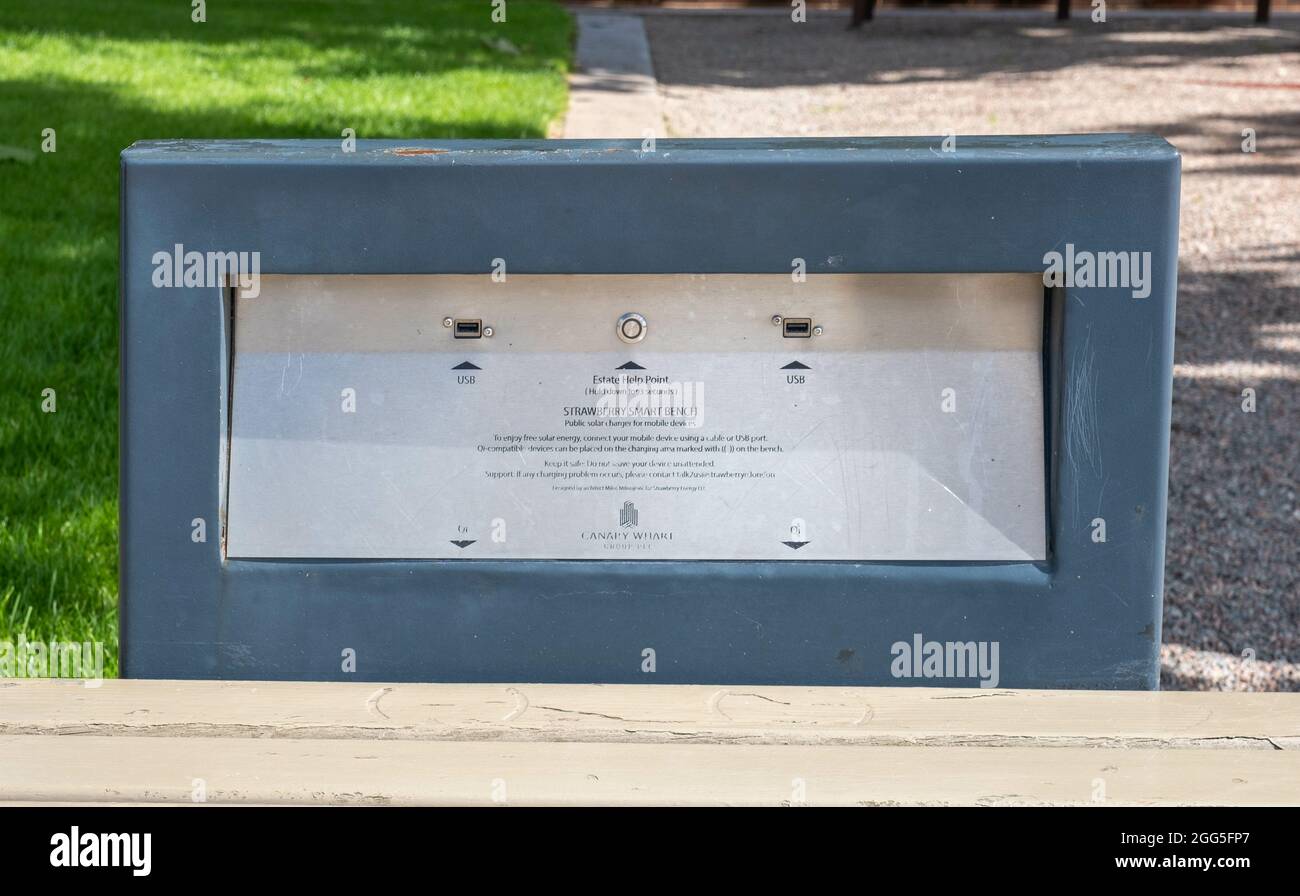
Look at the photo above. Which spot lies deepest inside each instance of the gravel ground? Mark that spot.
(1232, 590)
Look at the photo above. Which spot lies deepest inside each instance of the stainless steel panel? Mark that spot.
(910, 428)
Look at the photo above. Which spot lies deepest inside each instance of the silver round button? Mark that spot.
(631, 327)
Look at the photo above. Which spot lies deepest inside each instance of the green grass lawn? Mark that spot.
(104, 75)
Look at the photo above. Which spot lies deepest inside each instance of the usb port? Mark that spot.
(796, 327)
(467, 329)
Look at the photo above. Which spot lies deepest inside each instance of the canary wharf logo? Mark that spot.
(628, 518)
(629, 533)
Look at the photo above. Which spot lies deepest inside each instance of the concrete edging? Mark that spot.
(612, 89)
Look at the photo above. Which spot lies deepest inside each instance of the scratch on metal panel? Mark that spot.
(1083, 445)
(284, 373)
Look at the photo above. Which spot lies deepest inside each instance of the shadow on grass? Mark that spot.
(342, 39)
(59, 224)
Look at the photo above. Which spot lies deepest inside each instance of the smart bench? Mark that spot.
(862, 411)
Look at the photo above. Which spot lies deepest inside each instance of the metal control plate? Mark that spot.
(909, 428)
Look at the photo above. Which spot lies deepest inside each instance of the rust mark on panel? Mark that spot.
(415, 151)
